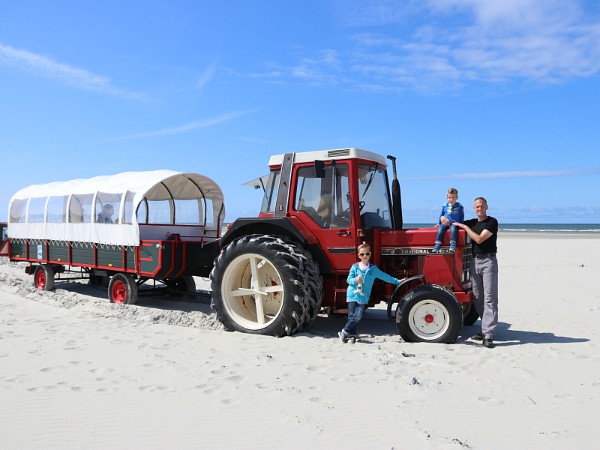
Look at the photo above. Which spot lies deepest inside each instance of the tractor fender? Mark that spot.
(401, 289)
(275, 226)
(262, 225)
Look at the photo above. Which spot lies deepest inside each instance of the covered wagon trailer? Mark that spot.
(128, 228)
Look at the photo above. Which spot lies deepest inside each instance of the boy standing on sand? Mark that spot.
(360, 282)
(452, 213)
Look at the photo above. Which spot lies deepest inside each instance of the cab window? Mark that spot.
(325, 199)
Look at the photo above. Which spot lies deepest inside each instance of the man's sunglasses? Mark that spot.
(365, 254)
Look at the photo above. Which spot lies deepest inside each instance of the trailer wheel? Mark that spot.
(259, 285)
(429, 313)
(122, 289)
(43, 277)
(185, 286)
(470, 315)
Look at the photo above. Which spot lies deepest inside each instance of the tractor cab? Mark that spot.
(336, 196)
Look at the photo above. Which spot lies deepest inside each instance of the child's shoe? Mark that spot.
(343, 336)
(452, 246)
(437, 246)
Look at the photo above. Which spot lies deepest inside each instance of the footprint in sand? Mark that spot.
(61, 385)
(69, 386)
(153, 388)
(211, 391)
(106, 390)
(101, 371)
(74, 344)
(17, 379)
(490, 400)
(150, 365)
(564, 397)
(235, 378)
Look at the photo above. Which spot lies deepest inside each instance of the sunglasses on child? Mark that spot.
(364, 254)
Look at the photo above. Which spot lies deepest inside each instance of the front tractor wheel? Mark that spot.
(429, 313)
(122, 289)
(260, 285)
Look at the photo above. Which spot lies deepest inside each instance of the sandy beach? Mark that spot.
(77, 372)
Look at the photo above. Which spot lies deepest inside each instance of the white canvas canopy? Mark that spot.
(76, 210)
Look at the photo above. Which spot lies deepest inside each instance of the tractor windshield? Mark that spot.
(374, 200)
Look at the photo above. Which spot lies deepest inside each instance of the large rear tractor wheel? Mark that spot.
(429, 313)
(43, 277)
(122, 289)
(263, 284)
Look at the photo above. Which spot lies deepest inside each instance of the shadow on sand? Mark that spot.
(375, 322)
(505, 336)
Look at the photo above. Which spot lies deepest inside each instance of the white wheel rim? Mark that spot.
(429, 319)
(252, 291)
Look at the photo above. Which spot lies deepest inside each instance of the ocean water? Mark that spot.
(552, 227)
(535, 227)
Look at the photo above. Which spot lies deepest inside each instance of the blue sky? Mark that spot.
(498, 98)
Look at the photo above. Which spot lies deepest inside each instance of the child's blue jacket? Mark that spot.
(454, 213)
(370, 274)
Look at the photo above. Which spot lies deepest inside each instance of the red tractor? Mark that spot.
(277, 272)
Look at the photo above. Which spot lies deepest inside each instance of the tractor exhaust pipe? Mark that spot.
(396, 197)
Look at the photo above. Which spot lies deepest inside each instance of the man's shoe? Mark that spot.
(477, 337)
(343, 336)
(488, 343)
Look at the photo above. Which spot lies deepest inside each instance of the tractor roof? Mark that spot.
(327, 155)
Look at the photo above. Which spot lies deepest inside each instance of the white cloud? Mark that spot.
(439, 46)
(63, 73)
(206, 76)
(185, 128)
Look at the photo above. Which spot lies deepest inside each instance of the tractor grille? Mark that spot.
(466, 262)
(338, 153)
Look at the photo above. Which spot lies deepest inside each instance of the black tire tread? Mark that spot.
(49, 272)
(434, 292)
(132, 288)
(295, 267)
